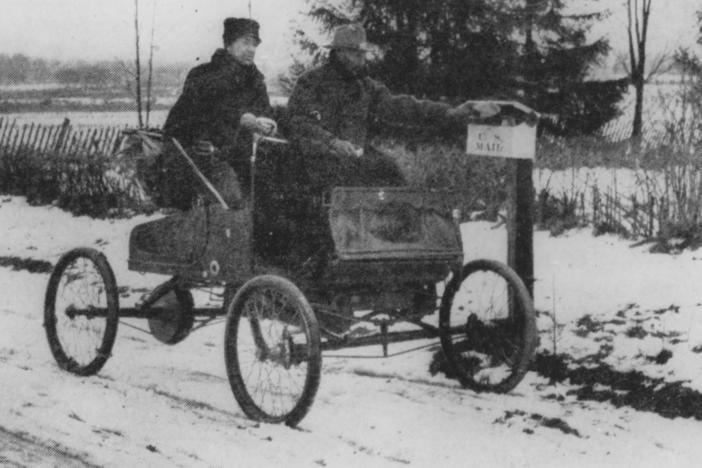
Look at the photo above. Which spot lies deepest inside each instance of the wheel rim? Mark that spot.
(488, 351)
(81, 312)
(272, 340)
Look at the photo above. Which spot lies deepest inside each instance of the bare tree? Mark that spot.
(149, 80)
(660, 64)
(638, 13)
(138, 63)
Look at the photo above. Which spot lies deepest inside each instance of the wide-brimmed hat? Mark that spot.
(349, 36)
(234, 28)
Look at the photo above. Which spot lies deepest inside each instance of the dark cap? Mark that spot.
(234, 28)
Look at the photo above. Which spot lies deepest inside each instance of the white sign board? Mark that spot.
(516, 142)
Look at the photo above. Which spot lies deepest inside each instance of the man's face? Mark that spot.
(354, 60)
(243, 49)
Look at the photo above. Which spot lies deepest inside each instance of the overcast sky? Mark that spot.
(104, 29)
(187, 29)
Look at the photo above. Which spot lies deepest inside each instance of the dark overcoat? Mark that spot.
(328, 103)
(215, 96)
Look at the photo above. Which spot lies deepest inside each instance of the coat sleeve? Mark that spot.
(230, 98)
(405, 110)
(182, 120)
(263, 103)
(304, 119)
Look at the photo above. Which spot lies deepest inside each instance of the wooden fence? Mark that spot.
(57, 140)
(71, 167)
(607, 211)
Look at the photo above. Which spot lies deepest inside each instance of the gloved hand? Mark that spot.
(346, 148)
(266, 126)
(254, 124)
(472, 110)
(204, 148)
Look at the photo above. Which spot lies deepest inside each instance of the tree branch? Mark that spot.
(660, 64)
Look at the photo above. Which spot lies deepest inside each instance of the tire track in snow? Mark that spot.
(21, 449)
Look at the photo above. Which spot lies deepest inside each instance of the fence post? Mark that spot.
(651, 205)
(62, 134)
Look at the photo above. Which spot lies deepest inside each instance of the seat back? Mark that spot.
(133, 167)
(392, 222)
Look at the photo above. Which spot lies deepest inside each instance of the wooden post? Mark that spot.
(6, 134)
(62, 135)
(520, 222)
(517, 145)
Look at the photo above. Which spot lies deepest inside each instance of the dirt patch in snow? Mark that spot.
(633, 389)
(29, 264)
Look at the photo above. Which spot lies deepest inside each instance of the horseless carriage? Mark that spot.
(396, 268)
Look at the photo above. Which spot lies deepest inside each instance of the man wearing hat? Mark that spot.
(220, 106)
(334, 108)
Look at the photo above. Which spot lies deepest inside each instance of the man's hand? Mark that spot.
(346, 148)
(472, 110)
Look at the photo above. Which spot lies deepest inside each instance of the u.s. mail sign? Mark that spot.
(516, 142)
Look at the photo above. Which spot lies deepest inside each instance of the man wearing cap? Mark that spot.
(220, 106)
(333, 110)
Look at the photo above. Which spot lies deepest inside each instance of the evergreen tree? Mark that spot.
(529, 50)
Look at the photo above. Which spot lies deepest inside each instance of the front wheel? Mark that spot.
(272, 350)
(487, 326)
(81, 311)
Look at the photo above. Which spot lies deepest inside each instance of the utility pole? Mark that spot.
(249, 9)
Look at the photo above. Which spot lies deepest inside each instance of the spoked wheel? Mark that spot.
(272, 350)
(487, 325)
(81, 311)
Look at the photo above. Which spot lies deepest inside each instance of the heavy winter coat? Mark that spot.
(215, 96)
(328, 103)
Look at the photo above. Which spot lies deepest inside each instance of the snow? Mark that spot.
(159, 405)
(103, 119)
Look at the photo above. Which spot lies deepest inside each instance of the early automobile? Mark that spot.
(394, 265)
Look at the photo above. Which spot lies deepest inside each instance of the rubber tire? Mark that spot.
(65, 361)
(528, 331)
(314, 362)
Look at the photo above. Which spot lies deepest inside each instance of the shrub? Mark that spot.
(76, 183)
(479, 183)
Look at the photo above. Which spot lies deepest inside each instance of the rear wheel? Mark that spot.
(487, 325)
(81, 311)
(272, 350)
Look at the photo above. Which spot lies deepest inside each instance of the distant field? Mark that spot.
(86, 119)
(99, 118)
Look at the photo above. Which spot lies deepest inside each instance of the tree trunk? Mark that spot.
(138, 64)
(638, 110)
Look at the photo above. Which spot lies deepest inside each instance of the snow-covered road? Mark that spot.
(155, 405)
